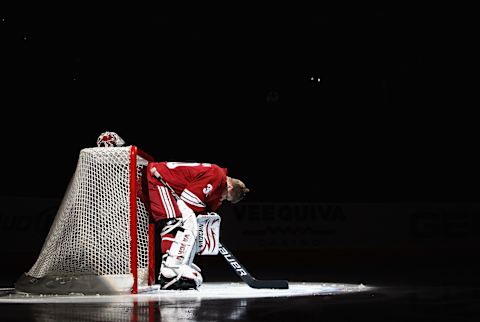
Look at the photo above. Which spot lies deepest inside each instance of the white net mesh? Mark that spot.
(90, 234)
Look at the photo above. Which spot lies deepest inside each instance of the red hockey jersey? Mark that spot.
(199, 185)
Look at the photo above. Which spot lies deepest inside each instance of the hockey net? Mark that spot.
(101, 240)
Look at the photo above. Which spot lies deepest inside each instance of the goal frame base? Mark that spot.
(77, 284)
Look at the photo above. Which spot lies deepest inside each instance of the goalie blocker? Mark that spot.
(208, 239)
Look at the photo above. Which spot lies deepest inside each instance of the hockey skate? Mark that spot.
(178, 276)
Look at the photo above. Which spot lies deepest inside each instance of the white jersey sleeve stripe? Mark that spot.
(168, 238)
(170, 202)
(167, 203)
(190, 198)
(190, 195)
(192, 203)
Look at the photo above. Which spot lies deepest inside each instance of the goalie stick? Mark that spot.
(234, 263)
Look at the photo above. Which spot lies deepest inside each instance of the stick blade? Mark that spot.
(275, 284)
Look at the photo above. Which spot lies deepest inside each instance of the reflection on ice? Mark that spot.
(214, 301)
(208, 291)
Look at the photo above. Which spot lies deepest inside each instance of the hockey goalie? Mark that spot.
(123, 187)
(183, 198)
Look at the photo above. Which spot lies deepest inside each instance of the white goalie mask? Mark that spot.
(109, 139)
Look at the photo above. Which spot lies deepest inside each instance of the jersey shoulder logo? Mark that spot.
(207, 189)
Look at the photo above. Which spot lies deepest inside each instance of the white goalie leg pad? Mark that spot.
(208, 238)
(178, 262)
(189, 218)
(189, 223)
(181, 248)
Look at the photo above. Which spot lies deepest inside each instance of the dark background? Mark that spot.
(393, 118)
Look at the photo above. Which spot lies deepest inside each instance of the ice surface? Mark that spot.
(207, 291)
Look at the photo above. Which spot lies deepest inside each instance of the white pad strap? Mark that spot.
(208, 238)
(172, 225)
